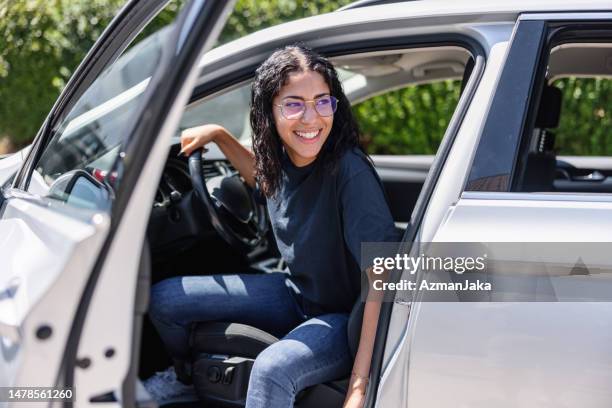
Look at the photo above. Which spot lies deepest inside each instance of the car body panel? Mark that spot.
(10, 164)
(511, 354)
(38, 316)
(433, 13)
(502, 354)
(448, 188)
(64, 247)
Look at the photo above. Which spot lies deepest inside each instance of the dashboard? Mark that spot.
(175, 182)
(179, 221)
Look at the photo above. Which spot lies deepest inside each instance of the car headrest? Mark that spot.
(550, 108)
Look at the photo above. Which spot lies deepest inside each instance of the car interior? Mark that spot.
(546, 167)
(205, 221)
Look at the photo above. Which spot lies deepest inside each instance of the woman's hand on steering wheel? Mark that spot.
(229, 204)
(197, 137)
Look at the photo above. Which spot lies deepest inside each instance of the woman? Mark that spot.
(324, 199)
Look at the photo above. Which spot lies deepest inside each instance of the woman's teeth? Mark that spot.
(308, 135)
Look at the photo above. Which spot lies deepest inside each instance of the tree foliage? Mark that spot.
(252, 15)
(408, 121)
(42, 43)
(585, 128)
(44, 40)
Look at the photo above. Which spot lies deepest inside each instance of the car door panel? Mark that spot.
(101, 326)
(45, 252)
(49, 247)
(494, 218)
(9, 165)
(487, 350)
(508, 354)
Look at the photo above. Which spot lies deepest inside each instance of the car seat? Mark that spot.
(223, 354)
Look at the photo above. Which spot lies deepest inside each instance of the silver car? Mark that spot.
(100, 206)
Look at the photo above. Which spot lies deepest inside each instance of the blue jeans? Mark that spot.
(312, 350)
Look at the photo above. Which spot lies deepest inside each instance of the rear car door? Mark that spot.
(522, 352)
(79, 196)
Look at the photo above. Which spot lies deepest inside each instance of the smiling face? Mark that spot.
(303, 138)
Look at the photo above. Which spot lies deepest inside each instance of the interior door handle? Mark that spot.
(10, 331)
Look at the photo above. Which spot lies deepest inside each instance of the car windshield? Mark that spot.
(90, 136)
(108, 103)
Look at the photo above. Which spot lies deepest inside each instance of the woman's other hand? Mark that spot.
(355, 396)
(197, 137)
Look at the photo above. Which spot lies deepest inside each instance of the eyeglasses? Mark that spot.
(293, 108)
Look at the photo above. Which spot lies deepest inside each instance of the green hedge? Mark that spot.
(44, 40)
(408, 121)
(586, 117)
(42, 43)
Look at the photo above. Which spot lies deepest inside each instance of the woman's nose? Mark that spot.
(310, 113)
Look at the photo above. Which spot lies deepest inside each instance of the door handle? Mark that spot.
(10, 331)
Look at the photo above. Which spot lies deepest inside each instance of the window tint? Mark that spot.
(569, 148)
(75, 166)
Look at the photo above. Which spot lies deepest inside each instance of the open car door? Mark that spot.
(72, 223)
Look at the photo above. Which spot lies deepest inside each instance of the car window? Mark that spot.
(229, 109)
(407, 121)
(75, 166)
(569, 148)
(403, 99)
(585, 119)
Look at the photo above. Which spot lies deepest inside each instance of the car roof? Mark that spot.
(366, 3)
(473, 11)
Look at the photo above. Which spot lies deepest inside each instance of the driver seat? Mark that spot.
(223, 355)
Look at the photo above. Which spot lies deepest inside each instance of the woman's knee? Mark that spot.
(271, 368)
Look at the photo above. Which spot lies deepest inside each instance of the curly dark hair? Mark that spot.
(270, 77)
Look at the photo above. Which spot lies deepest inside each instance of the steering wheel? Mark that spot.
(231, 207)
